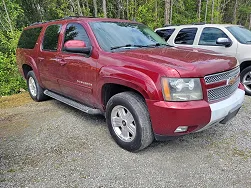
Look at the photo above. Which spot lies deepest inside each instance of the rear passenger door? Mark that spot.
(165, 33)
(47, 62)
(78, 72)
(185, 37)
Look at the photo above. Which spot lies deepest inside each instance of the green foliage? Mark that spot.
(10, 79)
(20, 13)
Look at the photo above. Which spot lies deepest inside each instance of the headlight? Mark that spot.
(181, 89)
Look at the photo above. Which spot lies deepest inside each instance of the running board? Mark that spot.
(73, 103)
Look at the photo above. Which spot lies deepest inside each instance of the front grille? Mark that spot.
(225, 91)
(222, 92)
(213, 78)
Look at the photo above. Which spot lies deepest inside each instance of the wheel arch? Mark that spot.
(119, 79)
(245, 64)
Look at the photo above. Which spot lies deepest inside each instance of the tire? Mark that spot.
(122, 109)
(35, 91)
(246, 76)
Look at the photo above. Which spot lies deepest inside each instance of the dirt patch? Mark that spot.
(15, 100)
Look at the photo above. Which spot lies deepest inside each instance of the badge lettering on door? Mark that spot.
(84, 83)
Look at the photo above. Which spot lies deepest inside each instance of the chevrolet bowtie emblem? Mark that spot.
(231, 80)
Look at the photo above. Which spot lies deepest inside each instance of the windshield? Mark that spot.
(242, 34)
(124, 35)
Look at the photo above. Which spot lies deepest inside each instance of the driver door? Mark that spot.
(78, 72)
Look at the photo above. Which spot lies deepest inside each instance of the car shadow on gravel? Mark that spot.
(77, 112)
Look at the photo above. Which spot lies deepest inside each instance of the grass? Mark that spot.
(15, 100)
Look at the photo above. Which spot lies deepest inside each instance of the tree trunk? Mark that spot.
(7, 16)
(127, 9)
(167, 12)
(95, 8)
(171, 11)
(156, 9)
(250, 22)
(80, 13)
(212, 16)
(199, 10)
(235, 12)
(219, 11)
(206, 11)
(118, 8)
(104, 9)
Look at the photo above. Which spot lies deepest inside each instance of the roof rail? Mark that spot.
(65, 18)
(200, 23)
(169, 25)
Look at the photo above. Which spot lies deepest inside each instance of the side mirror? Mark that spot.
(77, 46)
(224, 42)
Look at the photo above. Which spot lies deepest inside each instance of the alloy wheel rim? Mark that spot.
(32, 87)
(123, 123)
(247, 81)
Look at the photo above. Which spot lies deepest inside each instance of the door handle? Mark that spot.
(40, 59)
(62, 62)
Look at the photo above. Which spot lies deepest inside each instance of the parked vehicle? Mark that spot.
(125, 71)
(233, 40)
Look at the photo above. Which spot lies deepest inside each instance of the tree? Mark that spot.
(167, 11)
(95, 8)
(199, 10)
(235, 12)
(104, 8)
(212, 12)
(206, 11)
(250, 22)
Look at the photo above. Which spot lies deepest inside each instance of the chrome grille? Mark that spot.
(213, 78)
(222, 92)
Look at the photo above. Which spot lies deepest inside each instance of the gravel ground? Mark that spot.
(50, 144)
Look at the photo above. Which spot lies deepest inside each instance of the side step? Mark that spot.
(73, 103)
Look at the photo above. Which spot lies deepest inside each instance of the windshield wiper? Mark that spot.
(139, 46)
(127, 45)
(248, 42)
(157, 44)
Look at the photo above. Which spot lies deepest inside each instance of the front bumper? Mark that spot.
(166, 117)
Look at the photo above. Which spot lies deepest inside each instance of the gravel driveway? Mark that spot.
(50, 144)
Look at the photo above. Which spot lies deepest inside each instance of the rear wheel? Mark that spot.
(36, 92)
(246, 79)
(128, 121)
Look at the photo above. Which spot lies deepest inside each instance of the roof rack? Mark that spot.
(200, 23)
(169, 25)
(65, 18)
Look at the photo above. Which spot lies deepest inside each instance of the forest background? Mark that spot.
(17, 14)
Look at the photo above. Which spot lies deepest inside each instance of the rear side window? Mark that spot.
(165, 33)
(210, 35)
(51, 35)
(75, 31)
(29, 38)
(186, 36)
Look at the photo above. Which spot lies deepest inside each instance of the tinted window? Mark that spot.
(242, 34)
(51, 37)
(186, 36)
(165, 33)
(75, 31)
(29, 38)
(125, 34)
(210, 35)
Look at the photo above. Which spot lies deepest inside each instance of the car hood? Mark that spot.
(189, 62)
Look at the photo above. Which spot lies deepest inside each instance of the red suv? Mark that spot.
(125, 71)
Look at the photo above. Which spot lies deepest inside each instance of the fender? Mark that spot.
(131, 78)
(31, 62)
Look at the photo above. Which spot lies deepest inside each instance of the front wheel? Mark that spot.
(35, 91)
(246, 79)
(128, 121)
